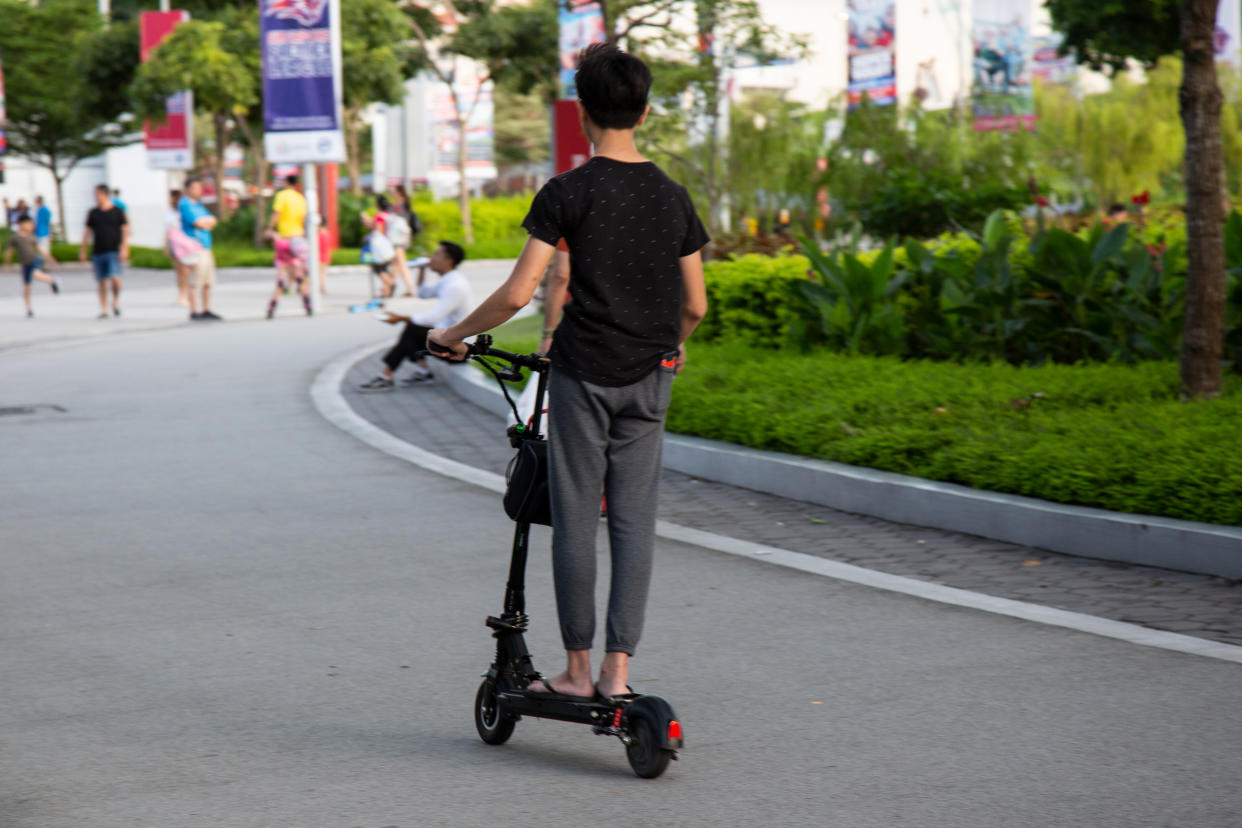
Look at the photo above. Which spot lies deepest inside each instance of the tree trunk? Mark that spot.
(1200, 101)
(60, 202)
(353, 155)
(463, 198)
(260, 202)
(222, 134)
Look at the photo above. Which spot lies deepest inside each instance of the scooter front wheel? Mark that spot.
(493, 725)
(647, 756)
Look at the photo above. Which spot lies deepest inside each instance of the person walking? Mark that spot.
(116, 199)
(636, 282)
(43, 228)
(452, 294)
(289, 211)
(181, 248)
(107, 232)
(381, 247)
(197, 222)
(30, 257)
(401, 234)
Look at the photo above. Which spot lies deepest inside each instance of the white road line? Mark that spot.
(326, 394)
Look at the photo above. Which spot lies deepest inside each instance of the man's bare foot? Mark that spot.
(564, 685)
(613, 675)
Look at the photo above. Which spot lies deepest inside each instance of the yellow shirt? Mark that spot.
(290, 209)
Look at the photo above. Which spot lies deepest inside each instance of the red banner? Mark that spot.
(572, 147)
(169, 145)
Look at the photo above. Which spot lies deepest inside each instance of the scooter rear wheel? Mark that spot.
(493, 725)
(647, 757)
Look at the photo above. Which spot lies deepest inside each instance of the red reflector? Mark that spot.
(674, 730)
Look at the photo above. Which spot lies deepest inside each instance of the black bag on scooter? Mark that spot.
(526, 484)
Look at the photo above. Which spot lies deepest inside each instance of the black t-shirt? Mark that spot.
(627, 226)
(106, 228)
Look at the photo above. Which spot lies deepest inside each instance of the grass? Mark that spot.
(1110, 436)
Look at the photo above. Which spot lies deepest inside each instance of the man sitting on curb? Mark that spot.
(452, 293)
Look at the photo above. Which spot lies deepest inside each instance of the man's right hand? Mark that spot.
(81, 255)
(394, 318)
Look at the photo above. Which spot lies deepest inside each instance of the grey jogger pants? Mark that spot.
(600, 439)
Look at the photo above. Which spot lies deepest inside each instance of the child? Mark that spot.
(637, 294)
(290, 269)
(325, 254)
(30, 257)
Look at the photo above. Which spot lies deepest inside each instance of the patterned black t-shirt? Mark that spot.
(627, 225)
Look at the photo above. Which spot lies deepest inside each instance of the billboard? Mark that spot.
(872, 51)
(581, 24)
(1002, 96)
(300, 42)
(170, 146)
(1227, 42)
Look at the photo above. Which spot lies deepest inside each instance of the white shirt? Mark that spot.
(453, 294)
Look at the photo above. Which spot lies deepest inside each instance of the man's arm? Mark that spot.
(125, 240)
(8, 256)
(86, 239)
(554, 298)
(693, 299)
(505, 301)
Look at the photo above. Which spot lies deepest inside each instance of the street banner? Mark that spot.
(301, 50)
(170, 145)
(1002, 96)
(1228, 40)
(872, 51)
(581, 24)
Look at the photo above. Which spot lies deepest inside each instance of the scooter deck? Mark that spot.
(562, 708)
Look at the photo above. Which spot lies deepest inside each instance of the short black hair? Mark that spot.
(455, 252)
(382, 202)
(1118, 207)
(194, 179)
(24, 217)
(612, 85)
(291, 180)
(103, 188)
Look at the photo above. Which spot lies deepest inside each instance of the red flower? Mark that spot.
(1142, 198)
(1041, 201)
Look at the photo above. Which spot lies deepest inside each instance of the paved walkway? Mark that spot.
(432, 417)
(218, 609)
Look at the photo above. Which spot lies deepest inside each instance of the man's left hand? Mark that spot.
(438, 343)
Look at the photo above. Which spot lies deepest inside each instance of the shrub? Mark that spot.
(1110, 436)
(752, 299)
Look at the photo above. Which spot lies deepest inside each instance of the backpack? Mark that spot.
(377, 249)
(416, 224)
(398, 230)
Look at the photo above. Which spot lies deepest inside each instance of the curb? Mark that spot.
(1184, 545)
(325, 393)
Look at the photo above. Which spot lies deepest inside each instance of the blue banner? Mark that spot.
(301, 50)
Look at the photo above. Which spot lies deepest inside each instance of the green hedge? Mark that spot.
(231, 255)
(1110, 436)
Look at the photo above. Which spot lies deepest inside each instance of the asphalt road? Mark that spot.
(218, 610)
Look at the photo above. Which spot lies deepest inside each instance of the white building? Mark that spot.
(144, 191)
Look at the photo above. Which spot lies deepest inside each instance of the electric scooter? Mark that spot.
(646, 725)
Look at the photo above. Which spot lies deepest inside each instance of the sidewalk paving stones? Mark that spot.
(432, 417)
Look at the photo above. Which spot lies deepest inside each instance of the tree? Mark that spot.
(727, 32)
(374, 65)
(1105, 35)
(225, 83)
(513, 43)
(55, 117)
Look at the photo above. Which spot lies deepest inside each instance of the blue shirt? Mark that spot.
(120, 204)
(43, 222)
(192, 211)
